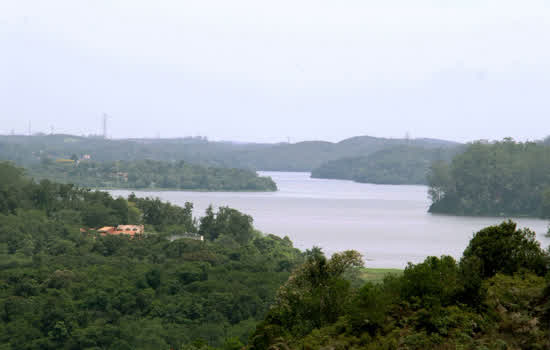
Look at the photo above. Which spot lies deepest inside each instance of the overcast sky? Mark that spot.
(253, 70)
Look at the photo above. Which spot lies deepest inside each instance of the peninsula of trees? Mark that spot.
(499, 178)
(149, 174)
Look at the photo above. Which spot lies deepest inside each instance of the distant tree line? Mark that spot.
(300, 156)
(396, 166)
(149, 174)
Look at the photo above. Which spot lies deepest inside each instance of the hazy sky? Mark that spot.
(253, 70)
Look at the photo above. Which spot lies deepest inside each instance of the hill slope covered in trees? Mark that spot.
(301, 156)
(398, 165)
(61, 288)
(495, 297)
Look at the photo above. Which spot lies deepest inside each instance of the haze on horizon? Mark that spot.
(246, 70)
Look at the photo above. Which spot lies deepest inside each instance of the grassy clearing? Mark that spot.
(377, 275)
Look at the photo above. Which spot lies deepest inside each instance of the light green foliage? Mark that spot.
(375, 275)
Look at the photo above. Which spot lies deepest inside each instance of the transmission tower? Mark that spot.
(105, 117)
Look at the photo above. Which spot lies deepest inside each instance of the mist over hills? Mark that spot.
(301, 156)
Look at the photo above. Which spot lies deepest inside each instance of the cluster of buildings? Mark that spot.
(130, 230)
(136, 231)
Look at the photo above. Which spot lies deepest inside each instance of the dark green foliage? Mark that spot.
(436, 304)
(314, 296)
(228, 223)
(399, 165)
(61, 288)
(506, 249)
(149, 174)
(500, 178)
(436, 280)
(163, 216)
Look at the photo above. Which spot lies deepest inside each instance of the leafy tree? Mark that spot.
(314, 296)
(436, 280)
(506, 249)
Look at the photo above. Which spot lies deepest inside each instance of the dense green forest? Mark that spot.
(61, 288)
(495, 297)
(398, 165)
(498, 178)
(149, 174)
(301, 156)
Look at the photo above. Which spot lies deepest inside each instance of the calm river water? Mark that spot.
(388, 224)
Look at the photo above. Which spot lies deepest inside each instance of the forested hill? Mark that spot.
(301, 156)
(403, 164)
(64, 286)
(149, 174)
(495, 297)
(499, 178)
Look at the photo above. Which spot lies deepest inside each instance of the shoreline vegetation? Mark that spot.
(503, 178)
(149, 175)
(157, 189)
(66, 287)
(497, 296)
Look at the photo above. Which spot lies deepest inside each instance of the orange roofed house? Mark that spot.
(130, 230)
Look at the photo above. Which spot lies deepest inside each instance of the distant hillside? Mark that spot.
(402, 164)
(301, 156)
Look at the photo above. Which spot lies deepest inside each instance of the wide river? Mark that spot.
(388, 224)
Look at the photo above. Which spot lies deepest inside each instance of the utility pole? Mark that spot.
(30, 128)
